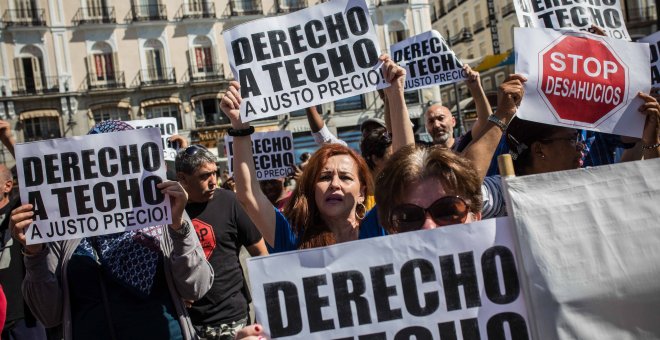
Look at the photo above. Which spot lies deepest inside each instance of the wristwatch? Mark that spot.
(185, 228)
(492, 118)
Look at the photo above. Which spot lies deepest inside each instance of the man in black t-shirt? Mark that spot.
(222, 227)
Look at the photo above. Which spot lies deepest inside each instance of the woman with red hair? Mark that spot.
(327, 205)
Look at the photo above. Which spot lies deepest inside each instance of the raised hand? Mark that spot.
(230, 104)
(19, 220)
(178, 200)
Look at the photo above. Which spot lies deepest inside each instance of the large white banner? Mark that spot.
(272, 151)
(428, 61)
(313, 56)
(582, 80)
(589, 248)
(93, 185)
(455, 282)
(654, 43)
(167, 127)
(577, 15)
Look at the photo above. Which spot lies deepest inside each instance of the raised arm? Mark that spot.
(482, 148)
(320, 131)
(480, 101)
(248, 191)
(651, 134)
(6, 137)
(402, 132)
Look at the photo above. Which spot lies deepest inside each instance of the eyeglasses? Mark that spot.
(194, 149)
(575, 141)
(444, 211)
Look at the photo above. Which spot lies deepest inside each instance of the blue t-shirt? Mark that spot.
(286, 239)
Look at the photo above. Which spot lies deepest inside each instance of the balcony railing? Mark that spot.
(206, 73)
(479, 26)
(196, 10)
(508, 9)
(38, 85)
(641, 15)
(109, 81)
(463, 35)
(157, 76)
(391, 2)
(95, 15)
(288, 6)
(238, 7)
(451, 5)
(24, 17)
(148, 13)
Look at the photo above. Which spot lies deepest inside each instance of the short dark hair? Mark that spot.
(375, 143)
(187, 163)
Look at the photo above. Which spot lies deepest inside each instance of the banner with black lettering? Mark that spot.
(577, 15)
(272, 151)
(589, 248)
(654, 42)
(428, 61)
(455, 282)
(316, 55)
(581, 80)
(167, 127)
(93, 185)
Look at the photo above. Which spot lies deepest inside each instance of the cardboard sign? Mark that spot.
(583, 81)
(654, 42)
(428, 61)
(313, 56)
(577, 15)
(456, 282)
(272, 151)
(168, 128)
(589, 247)
(93, 185)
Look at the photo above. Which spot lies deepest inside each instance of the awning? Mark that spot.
(492, 61)
(38, 114)
(160, 101)
(124, 104)
(206, 96)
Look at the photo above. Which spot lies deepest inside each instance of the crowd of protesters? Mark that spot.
(190, 284)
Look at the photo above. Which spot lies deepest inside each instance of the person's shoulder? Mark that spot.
(224, 195)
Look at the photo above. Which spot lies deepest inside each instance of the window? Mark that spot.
(168, 110)
(499, 78)
(303, 112)
(466, 19)
(207, 113)
(154, 60)
(477, 13)
(111, 113)
(411, 97)
(482, 48)
(397, 32)
(35, 129)
(29, 67)
(102, 65)
(350, 103)
(487, 83)
(201, 56)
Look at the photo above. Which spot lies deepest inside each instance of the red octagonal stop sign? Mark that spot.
(582, 79)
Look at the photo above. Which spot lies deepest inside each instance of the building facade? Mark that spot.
(65, 65)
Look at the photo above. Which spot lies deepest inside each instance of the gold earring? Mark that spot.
(360, 211)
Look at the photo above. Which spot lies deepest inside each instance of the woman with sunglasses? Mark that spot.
(327, 205)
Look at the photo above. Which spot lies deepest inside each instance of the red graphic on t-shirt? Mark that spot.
(206, 236)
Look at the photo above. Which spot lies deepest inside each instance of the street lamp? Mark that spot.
(464, 36)
(71, 122)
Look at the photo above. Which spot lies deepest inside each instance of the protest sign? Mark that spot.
(428, 61)
(577, 15)
(272, 151)
(589, 249)
(313, 56)
(455, 282)
(654, 42)
(167, 127)
(92, 185)
(581, 80)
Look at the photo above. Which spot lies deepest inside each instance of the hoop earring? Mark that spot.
(362, 208)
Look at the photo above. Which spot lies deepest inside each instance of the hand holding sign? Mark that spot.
(650, 108)
(509, 95)
(20, 219)
(473, 80)
(230, 104)
(394, 74)
(178, 200)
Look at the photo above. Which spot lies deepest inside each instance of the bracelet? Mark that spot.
(493, 119)
(240, 133)
(649, 147)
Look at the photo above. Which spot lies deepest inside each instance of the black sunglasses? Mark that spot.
(194, 149)
(444, 211)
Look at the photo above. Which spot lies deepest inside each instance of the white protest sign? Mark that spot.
(578, 15)
(428, 61)
(581, 80)
(168, 128)
(313, 56)
(589, 248)
(654, 42)
(93, 185)
(447, 283)
(272, 151)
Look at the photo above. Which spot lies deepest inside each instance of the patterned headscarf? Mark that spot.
(131, 257)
